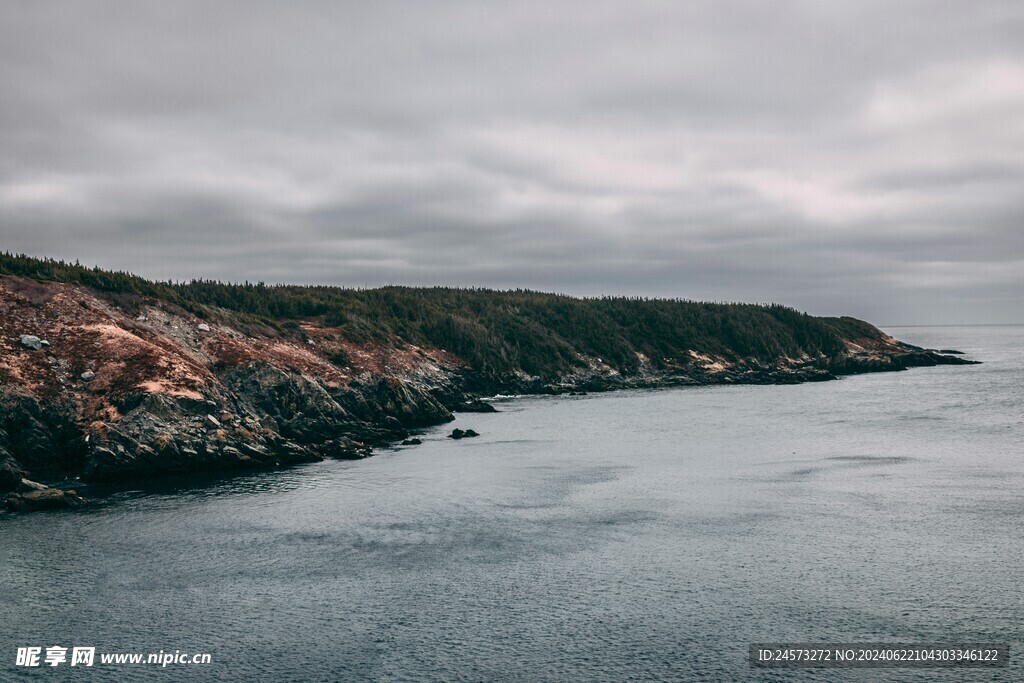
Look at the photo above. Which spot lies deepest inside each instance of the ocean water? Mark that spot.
(643, 535)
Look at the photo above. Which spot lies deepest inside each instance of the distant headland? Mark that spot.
(109, 376)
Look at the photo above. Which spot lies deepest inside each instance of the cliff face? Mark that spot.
(103, 386)
(139, 387)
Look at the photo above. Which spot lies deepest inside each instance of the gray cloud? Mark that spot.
(856, 158)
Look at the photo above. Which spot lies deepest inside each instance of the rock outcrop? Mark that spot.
(45, 499)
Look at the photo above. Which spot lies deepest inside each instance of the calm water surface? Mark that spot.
(612, 537)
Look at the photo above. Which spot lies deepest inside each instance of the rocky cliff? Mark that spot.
(98, 385)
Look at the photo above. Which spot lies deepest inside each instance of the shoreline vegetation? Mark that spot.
(106, 376)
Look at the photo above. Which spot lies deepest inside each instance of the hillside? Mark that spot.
(109, 376)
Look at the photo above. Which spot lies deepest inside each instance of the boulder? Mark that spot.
(88, 376)
(462, 434)
(411, 442)
(30, 341)
(203, 327)
(391, 423)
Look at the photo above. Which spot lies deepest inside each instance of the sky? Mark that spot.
(857, 157)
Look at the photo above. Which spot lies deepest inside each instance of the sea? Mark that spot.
(624, 536)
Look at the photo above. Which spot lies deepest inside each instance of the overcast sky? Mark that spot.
(853, 157)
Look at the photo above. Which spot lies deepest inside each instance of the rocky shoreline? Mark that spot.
(100, 389)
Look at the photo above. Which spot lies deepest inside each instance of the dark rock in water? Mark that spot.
(411, 442)
(47, 499)
(344, 448)
(469, 433)
(462, 434)
(474, 406)
(953, 352)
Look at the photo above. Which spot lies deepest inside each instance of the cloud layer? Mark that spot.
(859, 158)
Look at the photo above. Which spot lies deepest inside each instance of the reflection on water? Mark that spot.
(635, 535)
